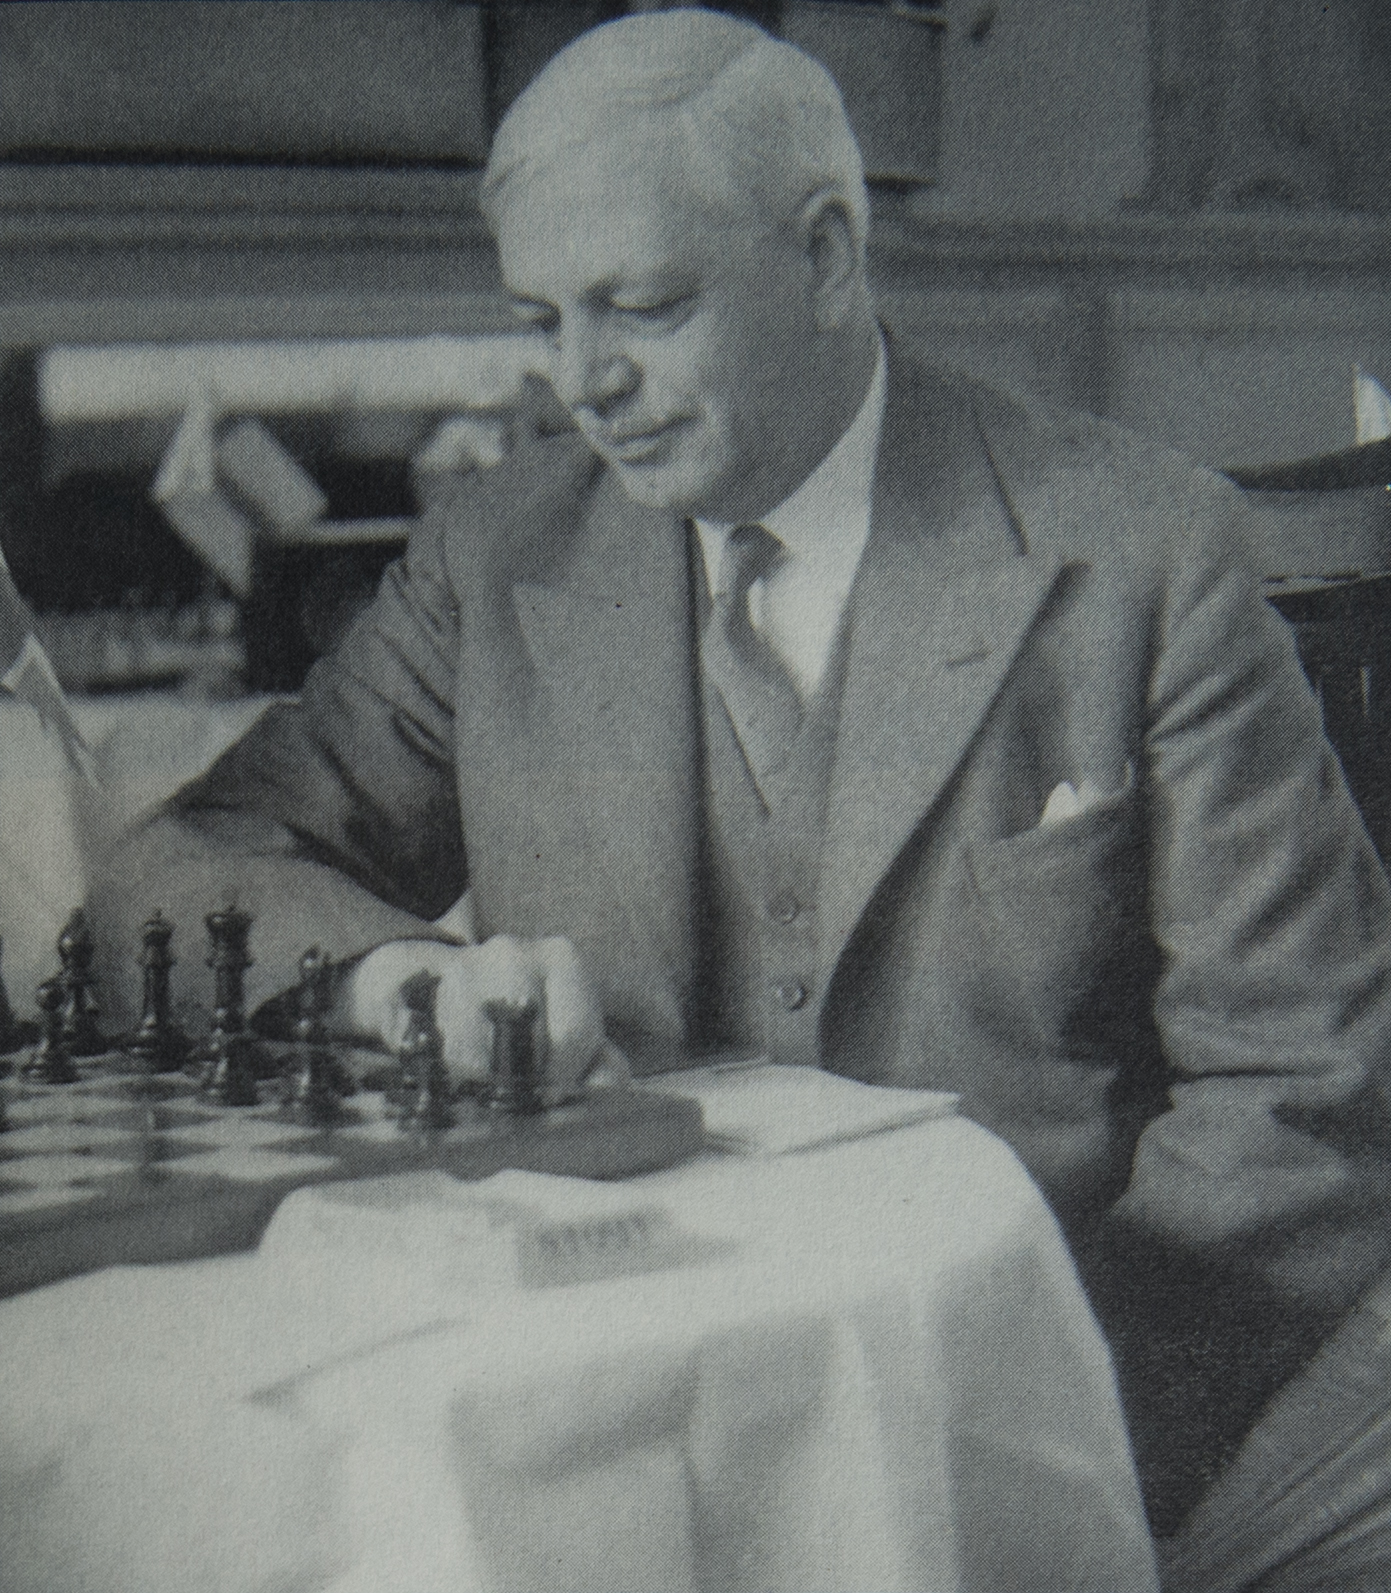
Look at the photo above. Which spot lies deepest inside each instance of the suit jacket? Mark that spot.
(1175, 1006)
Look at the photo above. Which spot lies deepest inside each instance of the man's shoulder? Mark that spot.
(1083, 484)
(1083, 442)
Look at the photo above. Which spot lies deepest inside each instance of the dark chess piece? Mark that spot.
(423, 1072)
(230, 1069)
(313, 1082)
(314, 1005)
(228, 934)
(52, 1062)
(514, 1079)
(76, 952)
(230, 1072)
(157, 1043)
(232, 1057)
(14, 1035)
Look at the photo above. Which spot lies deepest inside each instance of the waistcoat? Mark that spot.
(760, 865)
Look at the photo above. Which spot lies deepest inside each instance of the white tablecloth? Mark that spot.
(880, 1374)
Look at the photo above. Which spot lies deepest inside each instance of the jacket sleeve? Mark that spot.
(1273, 921)
(335, 820)
(1259, 1203)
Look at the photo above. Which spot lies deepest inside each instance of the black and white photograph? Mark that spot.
(695, 790)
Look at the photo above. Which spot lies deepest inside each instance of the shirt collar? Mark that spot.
(828, 515)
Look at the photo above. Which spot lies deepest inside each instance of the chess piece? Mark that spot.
(157, 1043)
(514, 1079)
(230, 1070)
(229, 1073)
(76, 952)
(313, 997)
(228, 933)
(313, 1088)
(422, 1058)
(52, 1062)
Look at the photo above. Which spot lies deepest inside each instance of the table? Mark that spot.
(874, 1371)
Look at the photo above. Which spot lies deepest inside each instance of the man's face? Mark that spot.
(678, 331)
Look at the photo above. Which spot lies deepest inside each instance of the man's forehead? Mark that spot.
(597, 212)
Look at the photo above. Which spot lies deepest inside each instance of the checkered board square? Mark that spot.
(115, 1169)
(69, 1143)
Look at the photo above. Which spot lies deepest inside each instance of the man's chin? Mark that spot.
(657, 488)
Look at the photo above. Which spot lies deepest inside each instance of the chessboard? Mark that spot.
(166, 1146)
(121, 1166)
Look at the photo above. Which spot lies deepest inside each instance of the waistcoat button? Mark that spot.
(784, 907)
(792, 995)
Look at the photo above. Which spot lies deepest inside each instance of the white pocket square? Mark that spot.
(1066, 801)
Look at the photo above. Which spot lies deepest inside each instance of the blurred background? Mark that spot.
(248, 308)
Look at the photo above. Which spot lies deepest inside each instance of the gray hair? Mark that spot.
(756, 121)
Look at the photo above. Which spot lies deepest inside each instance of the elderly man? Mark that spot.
(805, 700)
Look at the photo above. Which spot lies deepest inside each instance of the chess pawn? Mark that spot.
(422, 1057)
(514, 1079)
(76, 953)
(312, 1093)
(230, 1073)
(52, 1062)
(157, 1043)
(313, 998)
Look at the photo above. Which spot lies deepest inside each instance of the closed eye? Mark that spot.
(534, 316)
(669, 311)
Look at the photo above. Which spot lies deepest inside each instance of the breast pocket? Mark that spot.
(1059, 923)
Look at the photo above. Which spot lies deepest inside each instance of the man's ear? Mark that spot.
(828, 238)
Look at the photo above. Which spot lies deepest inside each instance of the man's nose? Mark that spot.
(595, 378)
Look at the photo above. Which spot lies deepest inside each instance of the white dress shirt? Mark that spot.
(823, 527)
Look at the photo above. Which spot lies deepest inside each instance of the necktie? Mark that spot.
(757, 690)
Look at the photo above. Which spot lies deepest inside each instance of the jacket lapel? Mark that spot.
(947, 589)
(609, 802)
(594, 827)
